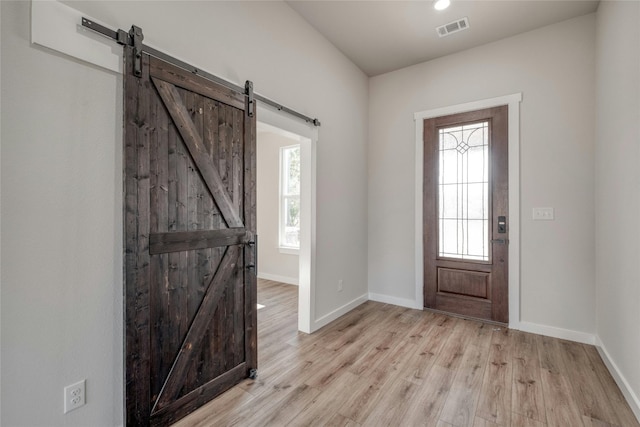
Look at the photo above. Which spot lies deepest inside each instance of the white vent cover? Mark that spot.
(453, 27)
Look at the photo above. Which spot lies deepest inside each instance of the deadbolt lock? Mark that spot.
(502, 224)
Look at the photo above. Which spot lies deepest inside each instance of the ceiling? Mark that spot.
(382, 36)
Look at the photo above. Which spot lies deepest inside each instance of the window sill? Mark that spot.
(289, 251)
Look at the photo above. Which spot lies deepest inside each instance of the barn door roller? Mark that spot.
(134, 38)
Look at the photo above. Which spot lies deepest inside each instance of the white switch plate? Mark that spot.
(74, 396)
(543, 214)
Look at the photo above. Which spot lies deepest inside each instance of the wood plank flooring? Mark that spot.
(383, 365)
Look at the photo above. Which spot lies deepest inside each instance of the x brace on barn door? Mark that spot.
(134, 38)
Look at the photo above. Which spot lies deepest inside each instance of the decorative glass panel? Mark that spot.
(463, 192)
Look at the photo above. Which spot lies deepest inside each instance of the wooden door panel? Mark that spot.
(175, 303)
(192, 138)
(178, 383)
(464, 305)
(189, 214)
(168, 73)
(471, 283)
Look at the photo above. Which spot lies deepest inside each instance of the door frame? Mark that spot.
(308, 136)
(513, 103)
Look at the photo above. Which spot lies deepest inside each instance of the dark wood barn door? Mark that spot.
(190, 215)
(466, 232)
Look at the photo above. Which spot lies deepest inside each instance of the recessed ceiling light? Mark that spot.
(441, 4)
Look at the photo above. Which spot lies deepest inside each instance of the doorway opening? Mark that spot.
(286, 206)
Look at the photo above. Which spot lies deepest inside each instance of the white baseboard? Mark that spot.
(402, 302)
(551, 331)
(278, 278)
(627, 391)
(330, 317)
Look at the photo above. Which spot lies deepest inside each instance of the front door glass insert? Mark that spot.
(463, 187)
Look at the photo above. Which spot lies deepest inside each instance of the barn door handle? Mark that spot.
(254, 244)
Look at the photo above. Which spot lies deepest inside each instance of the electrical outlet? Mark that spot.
(74, 396)
(542, 214)
(340, 285)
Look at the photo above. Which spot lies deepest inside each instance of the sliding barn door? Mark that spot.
(189, 200)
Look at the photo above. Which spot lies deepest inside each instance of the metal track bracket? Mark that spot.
(134, 38)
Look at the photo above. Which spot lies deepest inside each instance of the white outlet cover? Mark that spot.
(74, 396)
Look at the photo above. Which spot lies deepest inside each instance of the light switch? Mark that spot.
(542, 214)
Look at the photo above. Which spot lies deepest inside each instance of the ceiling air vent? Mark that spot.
(453, 27)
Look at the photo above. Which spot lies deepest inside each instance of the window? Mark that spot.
(290, 197)
(464, 192)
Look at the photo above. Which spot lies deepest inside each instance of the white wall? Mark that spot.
(617, 190)
(273, 264)
(61, 240)
(553, 67)
(61, 185)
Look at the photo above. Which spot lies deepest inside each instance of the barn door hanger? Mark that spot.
(248, 90)
(136, 37)
(133, 38)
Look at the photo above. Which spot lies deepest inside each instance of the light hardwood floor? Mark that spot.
(383, 365)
